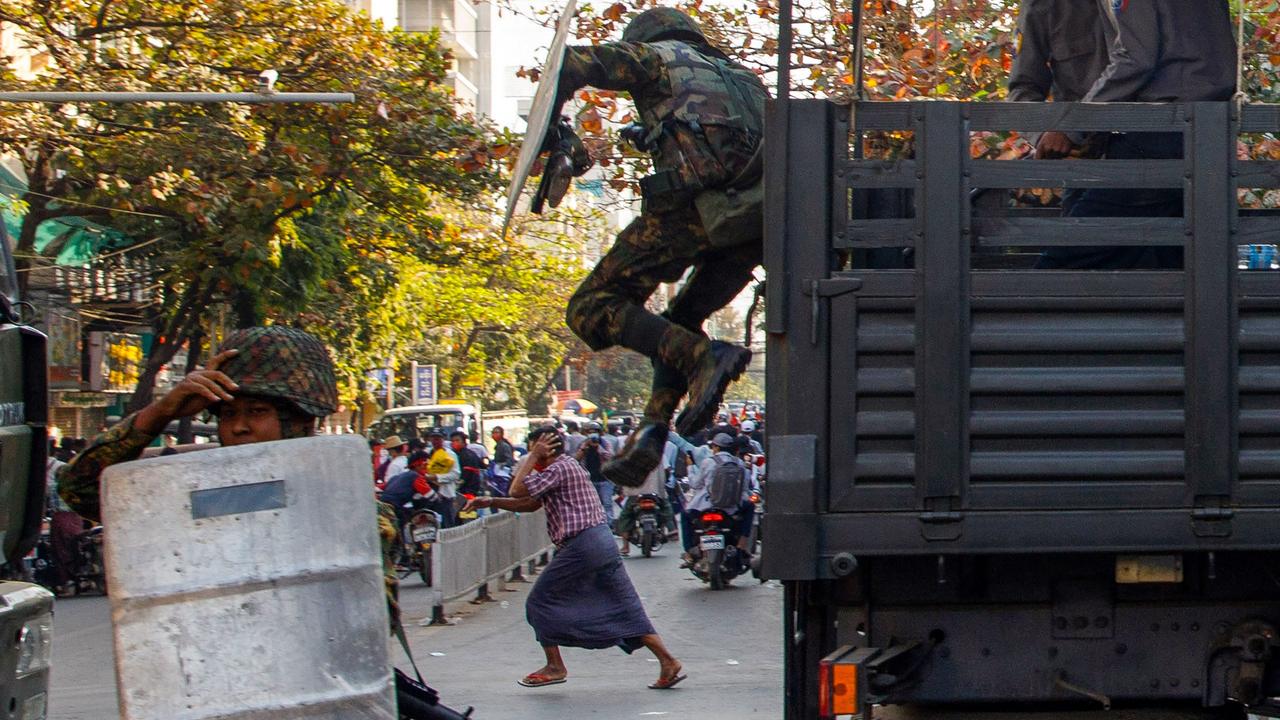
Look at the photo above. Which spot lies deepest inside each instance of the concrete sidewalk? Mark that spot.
(730, 643)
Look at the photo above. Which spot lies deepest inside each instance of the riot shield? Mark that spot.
(541, 114)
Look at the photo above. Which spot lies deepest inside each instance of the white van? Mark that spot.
(417, 420)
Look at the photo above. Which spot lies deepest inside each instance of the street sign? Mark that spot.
(424, 384)
(540, 113)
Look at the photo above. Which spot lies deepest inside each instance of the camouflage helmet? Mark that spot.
(282, 363)
(662, 23)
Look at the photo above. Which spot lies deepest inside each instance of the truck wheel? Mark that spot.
(646, 543)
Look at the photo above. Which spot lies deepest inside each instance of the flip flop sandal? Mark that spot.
(534, 680)
(667, 683)
(625, 553)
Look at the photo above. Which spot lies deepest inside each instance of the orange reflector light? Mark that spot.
(838, 684)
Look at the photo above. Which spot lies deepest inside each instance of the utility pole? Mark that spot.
(261, 98)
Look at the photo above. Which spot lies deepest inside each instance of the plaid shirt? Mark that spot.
(571, 501)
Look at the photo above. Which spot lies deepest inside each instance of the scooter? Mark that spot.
(647, 533)
(416, 539)
(718, 559)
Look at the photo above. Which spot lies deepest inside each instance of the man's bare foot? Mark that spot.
(547, 675)
(670, 675)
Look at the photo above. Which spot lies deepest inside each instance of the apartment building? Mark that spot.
(466, 28)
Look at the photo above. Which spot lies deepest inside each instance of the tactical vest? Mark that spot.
(705, 90)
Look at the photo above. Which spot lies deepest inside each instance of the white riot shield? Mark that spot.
(540, 113)
(246, 584)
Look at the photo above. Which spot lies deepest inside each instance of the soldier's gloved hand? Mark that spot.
(555, 135)
(578, 154)
(634, 135)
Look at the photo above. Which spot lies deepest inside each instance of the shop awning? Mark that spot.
(68, 240)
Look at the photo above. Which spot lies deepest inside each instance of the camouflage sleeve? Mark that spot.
(387, 533)
(79, 481)
(612, 66)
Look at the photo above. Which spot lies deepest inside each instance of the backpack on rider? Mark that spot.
(727, 481)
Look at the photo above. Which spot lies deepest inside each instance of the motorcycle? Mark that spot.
(647, 533)
(416, 539)
(87, 571)
(717, 558)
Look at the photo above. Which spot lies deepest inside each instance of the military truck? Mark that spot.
(996, 484)
(26, 619)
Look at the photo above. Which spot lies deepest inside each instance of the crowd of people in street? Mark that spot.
(444, 468)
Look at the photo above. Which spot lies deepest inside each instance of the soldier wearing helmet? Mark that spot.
(265, 383)
(702, 124)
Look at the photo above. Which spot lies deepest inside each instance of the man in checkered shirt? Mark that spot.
(584, 598)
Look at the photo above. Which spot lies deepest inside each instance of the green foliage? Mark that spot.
(294, 213)
(618, 379)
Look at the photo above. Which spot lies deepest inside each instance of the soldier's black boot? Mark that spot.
(638, 458)
(714, 365)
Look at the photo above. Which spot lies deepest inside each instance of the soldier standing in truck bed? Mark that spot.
(1061, 51)
(702, 122)
(1164, 51)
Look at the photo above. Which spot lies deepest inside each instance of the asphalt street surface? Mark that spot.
(730, 643)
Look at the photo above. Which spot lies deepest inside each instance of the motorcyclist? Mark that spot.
(401, 489)
(655, 486)
(722, 448)
(443, 472)
(748, 430)
(744, 447)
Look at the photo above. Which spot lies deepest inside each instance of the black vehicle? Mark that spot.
(648, 533)
(997, 484)
(717, 559)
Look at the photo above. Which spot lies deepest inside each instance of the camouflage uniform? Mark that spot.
(694, 147)
(279, 363)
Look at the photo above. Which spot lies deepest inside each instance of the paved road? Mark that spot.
(729, 642)
(83, 686)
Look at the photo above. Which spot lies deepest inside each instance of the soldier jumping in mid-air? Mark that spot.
(702, 122)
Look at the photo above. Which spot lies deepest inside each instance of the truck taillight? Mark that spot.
(840, 684)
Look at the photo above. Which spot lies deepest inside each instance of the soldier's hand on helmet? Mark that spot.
(200, 389)
(1053, 145)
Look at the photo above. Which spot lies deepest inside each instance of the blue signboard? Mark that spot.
(424, 385)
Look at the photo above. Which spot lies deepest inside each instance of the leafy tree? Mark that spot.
(218, 192)
(618, 379)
